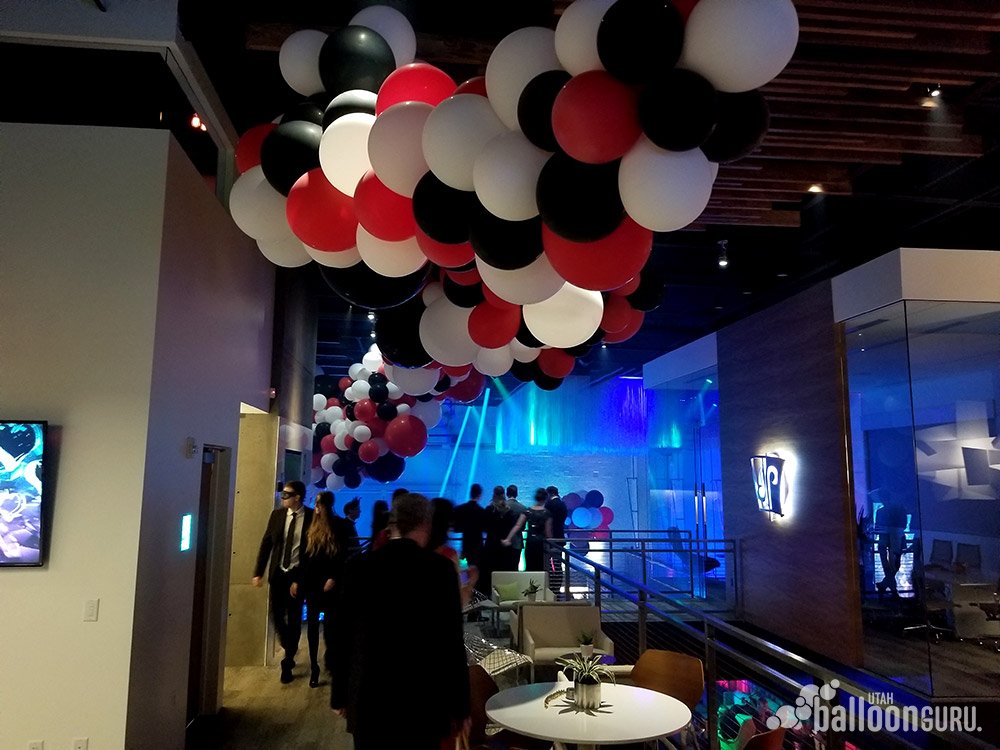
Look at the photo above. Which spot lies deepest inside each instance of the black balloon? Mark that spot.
(442, 212)
(463, 295)
(341, 467)
(361, 286)
(534, 108)
(387, 468)
(742, 125)
(443, 384)
(526, 337)
(378, 393)
(355, 57)
(648, 295)
(639, 39)
(678, 110)
(377, 378)
(547, 382)
(582, 350)
(525, 371)
(288, 152)
(579, 201)
(349, 103)
(306, 111)
(328, 385)
(386, 411)
(322, 430)
(425, 397)
(349, 411)
(352, 480)
(507, 245)
(397, 331)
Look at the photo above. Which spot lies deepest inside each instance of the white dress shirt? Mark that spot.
(294, 560)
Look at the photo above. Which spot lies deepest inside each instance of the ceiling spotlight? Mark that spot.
(815, 188)
(723, 258)
(604, 346)
(195, 121)
(373, 334)
(934, 91)
(782, 275)
(371, 316)
(203, 128)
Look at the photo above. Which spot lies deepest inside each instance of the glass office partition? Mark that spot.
(924, 382)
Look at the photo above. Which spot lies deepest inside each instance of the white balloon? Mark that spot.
(519, 57)
(374, 348)
(343, 151)
(298, 61)
(334, 483)
(326, 462)
(362, 433)
(533, 283)
(353, 372)
(372, 361)
(339, 427)
(319, 402)
(395, 146)
(431, 292)
(740, 45)
(493, 362)
(459, 378)
(576, 35)
(392, 26)
(334, 413)
(361, 388)
(428, 412)
(505, 176)
(523, 353)
(315, 475)
(340, 440)
(455, 133)
(364, 373)
(444, 333)
(414, 381)
(567, 318)
(339, 259)
(320, 417)
(402, 409)
(257, 208)
(714, 167)
(288, 252)
(392, 259)
(350, 394)
(394, 390)
(664, 190)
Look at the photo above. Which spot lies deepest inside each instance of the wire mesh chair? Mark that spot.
(496, 660)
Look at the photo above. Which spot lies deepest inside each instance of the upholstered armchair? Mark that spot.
(549, 631)
(508, 588)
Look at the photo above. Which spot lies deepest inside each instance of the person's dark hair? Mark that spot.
(499, 499)
(380, 516)
(409, 512)
(553, 491)
(297, 487)
(320, 535)
(541, 496)
(399, 492)
(441, 511)
(351, 505)
(511, 490)
(475, 492)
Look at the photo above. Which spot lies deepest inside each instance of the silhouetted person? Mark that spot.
(538, 521)
(557, 508)
(517, 542)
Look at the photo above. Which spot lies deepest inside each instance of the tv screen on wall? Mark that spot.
(22, 492)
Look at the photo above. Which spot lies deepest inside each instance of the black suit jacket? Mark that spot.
(397, 655)
(273, 543)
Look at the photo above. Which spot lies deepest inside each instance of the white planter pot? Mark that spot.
(587, 650)
(587, 696)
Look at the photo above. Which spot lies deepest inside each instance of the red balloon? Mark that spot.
(368, 452)
(572, 501)
(320, 215)
(407, 399)
(248, 147)
(377, 426)
(469, 389)
(555, 362)
(317, 458)
(617, 314)
(327, 445)
(628, 287)
(600, 534)
(458, 371)
(446, 256)
(345, 383)
(475, 85)
(364, 410)
(349, 441)
(465, 278)
(684, 7)
(634, 324)
(493, 327)
(607, 516)
(492, 298)
(595, 117)
(416, 82)
(406, 435)
(604, 264)
(383, 213)
(332, 402)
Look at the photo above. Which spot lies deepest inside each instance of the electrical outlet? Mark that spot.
(36, 745)
(80, 743)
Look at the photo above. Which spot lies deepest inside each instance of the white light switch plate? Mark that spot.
(90, 611)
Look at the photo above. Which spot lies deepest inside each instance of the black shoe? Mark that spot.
(314, 677)
(286, 675)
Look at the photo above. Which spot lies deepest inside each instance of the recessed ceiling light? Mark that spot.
(747, 292)
(604, 346)
(371, 316)
(195, 121)
(782, 275)
(718, 307)
(373, 334)
(815, 188)
(723, 258)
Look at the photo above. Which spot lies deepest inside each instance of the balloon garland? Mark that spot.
(512, 216)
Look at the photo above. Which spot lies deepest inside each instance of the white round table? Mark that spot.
(627, 714)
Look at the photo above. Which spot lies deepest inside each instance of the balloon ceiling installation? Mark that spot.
(367, 423)
(512, 215)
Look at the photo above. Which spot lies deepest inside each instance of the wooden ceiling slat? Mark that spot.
(981, 9)
(860, 77)
(766, 219)
(824, 110)
(943, 41)
(833, 188)
(975, 29)
(828, 154)
(806, 83)
(948, 131)
(750, 168)
(843, 98)
(875, 58)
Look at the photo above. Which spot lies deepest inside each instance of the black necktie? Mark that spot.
(286, 559)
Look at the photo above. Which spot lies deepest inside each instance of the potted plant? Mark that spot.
(587, 643)
(532, 590)
(587, 675)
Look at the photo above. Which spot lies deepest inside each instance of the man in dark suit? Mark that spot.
(283, 542)
(554, 563)
(397, 658)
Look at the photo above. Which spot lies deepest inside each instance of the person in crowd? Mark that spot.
(469, 520)
(554, 563)
(368, 668)
(318, 572)
(349, 528)
(441, 520)
(538, 521)
(498, 523)
(387, 533)
(282, 545)
(517, 543)
(380, 517)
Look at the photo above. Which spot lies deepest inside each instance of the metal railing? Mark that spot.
(640, 616)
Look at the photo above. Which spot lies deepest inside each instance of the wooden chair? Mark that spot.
(678, 675)
(766, 740)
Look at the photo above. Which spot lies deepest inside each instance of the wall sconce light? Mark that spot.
(770, 486)
(723, 258)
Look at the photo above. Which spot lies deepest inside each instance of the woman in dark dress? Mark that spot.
(319, 570)
(498, 521)
(539, 522)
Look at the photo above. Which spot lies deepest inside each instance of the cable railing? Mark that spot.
(640, 614)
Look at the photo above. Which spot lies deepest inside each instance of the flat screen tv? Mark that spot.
(22, 492)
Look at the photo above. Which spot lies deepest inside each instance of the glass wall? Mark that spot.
(924, 382)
